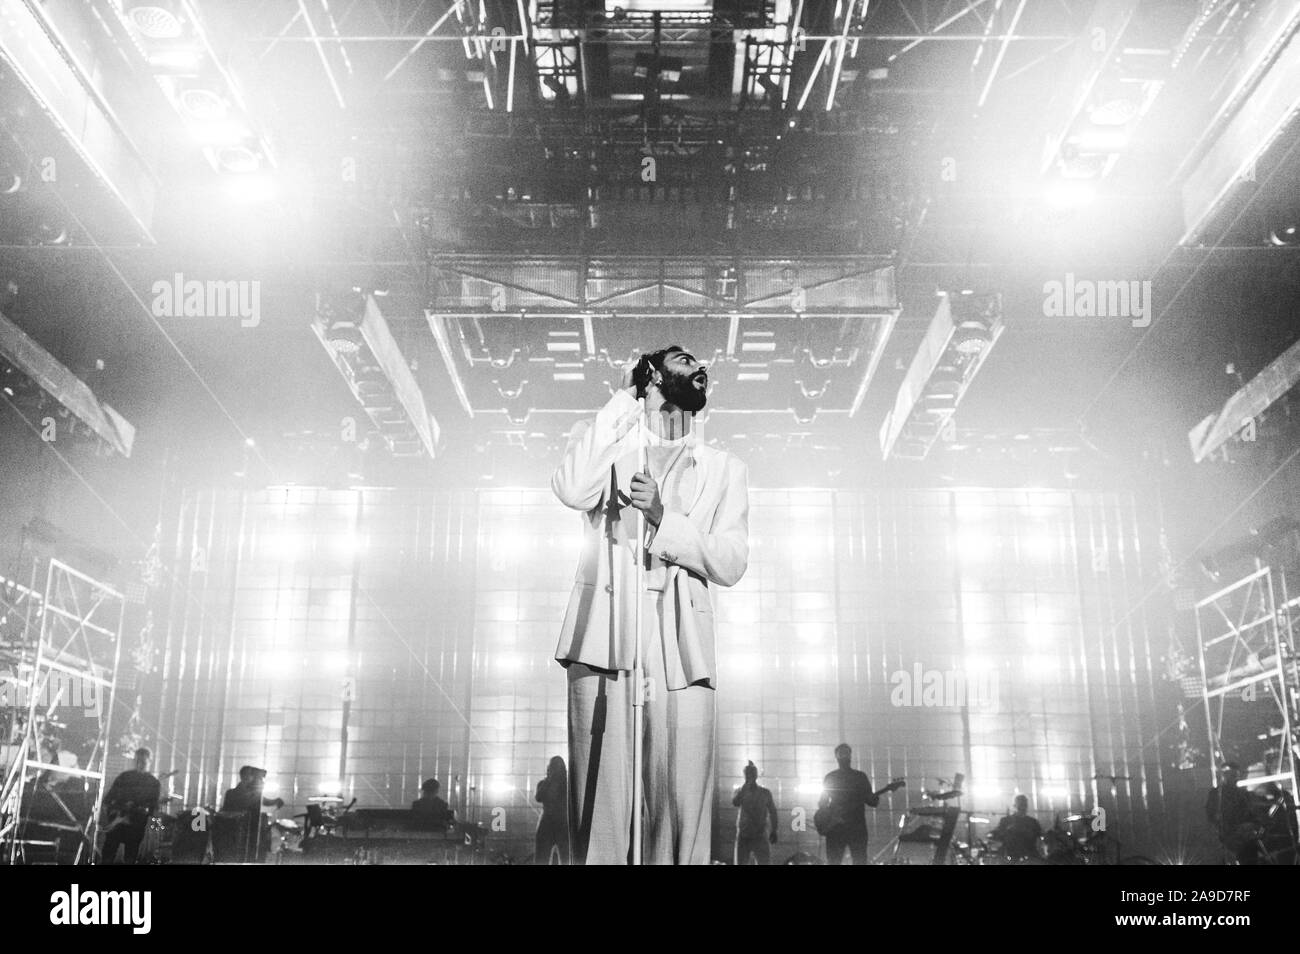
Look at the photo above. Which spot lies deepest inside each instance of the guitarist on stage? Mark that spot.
(130, 802)
(842, 811)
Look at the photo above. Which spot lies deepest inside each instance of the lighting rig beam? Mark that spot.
(934, 34)
(1247, 404)
(1082, 74)
(25, 356)
(840, 48)
(95, 112)
(358, 340)
(1002, 52)
(438, 327)
(172, 42)
(848, 286)
(1265, 99)
(961, 335)
(1108, 88)
(320, 51)
(430, 34)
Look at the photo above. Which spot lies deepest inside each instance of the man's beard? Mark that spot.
(681, 391)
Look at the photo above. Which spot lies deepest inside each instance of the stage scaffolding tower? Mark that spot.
(71, 677)
(1246, 635)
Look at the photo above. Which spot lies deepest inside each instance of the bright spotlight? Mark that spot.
(1068, 194)
(278, 662)
(179, 61)
(807, 547)
(1101, 139)
(350, 544)
(250, 187)
(1286, 235)
(499, 786)
(813, 663)
(219, 132)
(283, 546)
(812, 634)
(973, 545)
(1039, 546)
(1040, 665)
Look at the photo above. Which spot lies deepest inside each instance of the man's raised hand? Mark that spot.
(645, 497)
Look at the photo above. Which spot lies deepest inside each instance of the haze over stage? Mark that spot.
(300, 302)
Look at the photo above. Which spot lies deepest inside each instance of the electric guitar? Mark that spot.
(830, 818)
(119, 814)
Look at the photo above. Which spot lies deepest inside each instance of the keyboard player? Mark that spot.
(429, 812)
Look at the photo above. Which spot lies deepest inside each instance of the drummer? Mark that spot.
(247, 795)
(1019, 832)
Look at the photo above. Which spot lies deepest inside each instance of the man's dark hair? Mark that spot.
(649, 362)
(143, 752)
(430, 785)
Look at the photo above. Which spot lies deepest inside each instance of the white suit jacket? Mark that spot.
(708, 544)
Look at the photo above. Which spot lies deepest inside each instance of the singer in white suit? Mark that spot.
(696, 504)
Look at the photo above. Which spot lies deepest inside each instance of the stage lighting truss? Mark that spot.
(965, 327)
(1117, 69)
(170, 37)
(1246, 640)
(355, 334)
(616, 24)
(64, 406)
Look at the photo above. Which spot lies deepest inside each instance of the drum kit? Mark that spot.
(202, 835)
(927, 835)
(1070, 841)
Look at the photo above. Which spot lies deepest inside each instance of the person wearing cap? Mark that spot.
(247, 795)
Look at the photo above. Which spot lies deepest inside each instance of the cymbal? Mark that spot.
(326, 799)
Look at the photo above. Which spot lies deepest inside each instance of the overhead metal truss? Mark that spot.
(639, 25)
(25, 365)
(1246, 635)
(633, 285)
(960, 337)
(357, 337)
(72, 676)
(798, 336)
(503, 35)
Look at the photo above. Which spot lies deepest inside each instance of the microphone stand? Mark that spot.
(638, 675)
